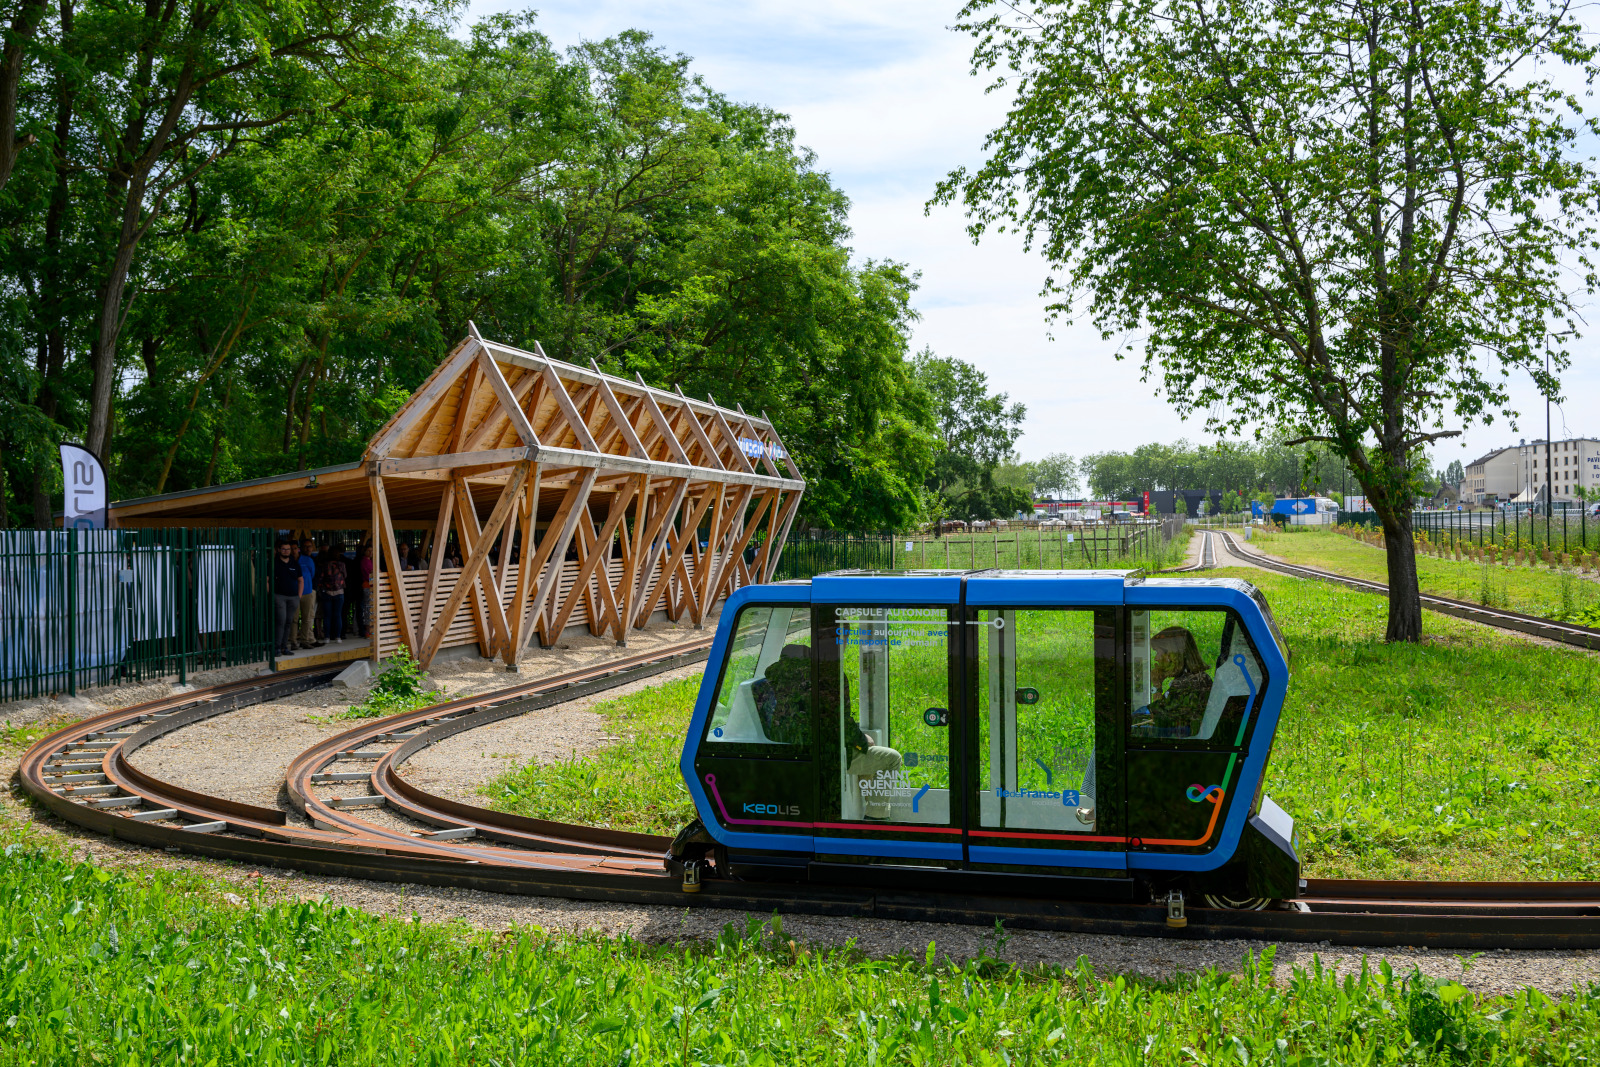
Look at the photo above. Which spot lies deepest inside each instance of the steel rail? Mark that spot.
(1565, 632)
(549, 846)
(1375, 913)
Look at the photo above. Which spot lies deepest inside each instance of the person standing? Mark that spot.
(356, 590)
(369, 589)
(330, 586)
(307, 636)
(286, 579)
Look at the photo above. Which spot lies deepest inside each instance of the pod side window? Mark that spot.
(1194, 676)
(764, 698)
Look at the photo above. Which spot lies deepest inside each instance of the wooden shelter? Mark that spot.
(575, 496)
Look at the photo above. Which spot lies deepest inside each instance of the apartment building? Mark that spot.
(1494, 476)
(1574, 462)
(1519, 472)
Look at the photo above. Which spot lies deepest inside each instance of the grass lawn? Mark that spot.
(1471, 755)
(106, 968)
(1533, 591)
(631, 785)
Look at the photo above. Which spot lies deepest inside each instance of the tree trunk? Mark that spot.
(24, 23)
(1405, 600)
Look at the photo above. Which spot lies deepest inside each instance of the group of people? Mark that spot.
(320, 593)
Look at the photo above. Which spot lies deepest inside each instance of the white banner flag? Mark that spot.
(85, 481)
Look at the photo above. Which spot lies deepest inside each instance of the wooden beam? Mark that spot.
(423, 400)
(783, 535)
(554, 547)
(760, 574)
(657, 538)
(391, 552)
(620, 418)
(729, 436)
(527, 575)
(373, 606)
(508, 400)
(700, 436)
(268, 522)
(685, 534)
(488, 610)
(475, 562)
(441, 527)
(569, 410)
(601, 553)
(520, 392)
(455, 460)
(733, 527)
(734, 560)
(659, 417)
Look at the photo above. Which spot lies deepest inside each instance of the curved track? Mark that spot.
(1565, 632)
(82, 773)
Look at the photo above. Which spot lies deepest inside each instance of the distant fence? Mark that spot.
(1564, 530)
(1025, 546)
(83, 608)
(809, 554)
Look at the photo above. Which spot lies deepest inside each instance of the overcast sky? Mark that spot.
(880, 90)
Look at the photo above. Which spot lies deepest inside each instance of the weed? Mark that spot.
(399, 688)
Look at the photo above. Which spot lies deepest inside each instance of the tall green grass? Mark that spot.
(1469, 755)
(633, 784)
(100, 968)
(1551, 593)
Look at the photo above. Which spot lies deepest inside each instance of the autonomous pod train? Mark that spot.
(1082, 735)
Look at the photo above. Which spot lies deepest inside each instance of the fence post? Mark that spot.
(72, 612)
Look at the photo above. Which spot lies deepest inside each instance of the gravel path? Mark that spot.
(243, 754)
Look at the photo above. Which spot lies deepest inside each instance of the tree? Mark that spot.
(1454, 474)
(1230, 502)
(1056, 475)
(1346, 218)
(975, 429)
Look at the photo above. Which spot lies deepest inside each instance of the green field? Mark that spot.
(1531, 590)
(104, 968)
(1470, 755)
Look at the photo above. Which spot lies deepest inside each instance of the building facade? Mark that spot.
(1521, 472)
(1494, 476)
(1572, 463)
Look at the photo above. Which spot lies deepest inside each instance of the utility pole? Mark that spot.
(1549, 462)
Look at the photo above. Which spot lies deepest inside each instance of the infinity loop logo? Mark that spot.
(1197, 792)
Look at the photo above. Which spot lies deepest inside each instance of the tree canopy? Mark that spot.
(236, 239)
(975, 430)
(1245, 467)
(1352, 218)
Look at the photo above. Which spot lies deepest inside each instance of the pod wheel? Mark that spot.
(1227, 903)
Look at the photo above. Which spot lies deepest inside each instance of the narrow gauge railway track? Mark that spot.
(384, 744)
(1565, 632)
(534, 857)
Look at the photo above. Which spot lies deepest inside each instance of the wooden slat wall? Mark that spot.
(462, 630)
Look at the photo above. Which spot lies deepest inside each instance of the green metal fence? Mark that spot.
(83, 608)
(1563, 530)
(809, 554)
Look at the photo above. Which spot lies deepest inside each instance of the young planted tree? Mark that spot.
(1347, 217)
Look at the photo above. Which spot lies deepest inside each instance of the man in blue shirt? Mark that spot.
(307, 637)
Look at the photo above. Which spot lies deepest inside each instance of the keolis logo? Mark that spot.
(772, 809)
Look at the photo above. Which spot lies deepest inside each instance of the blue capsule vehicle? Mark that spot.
(1095, 735)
